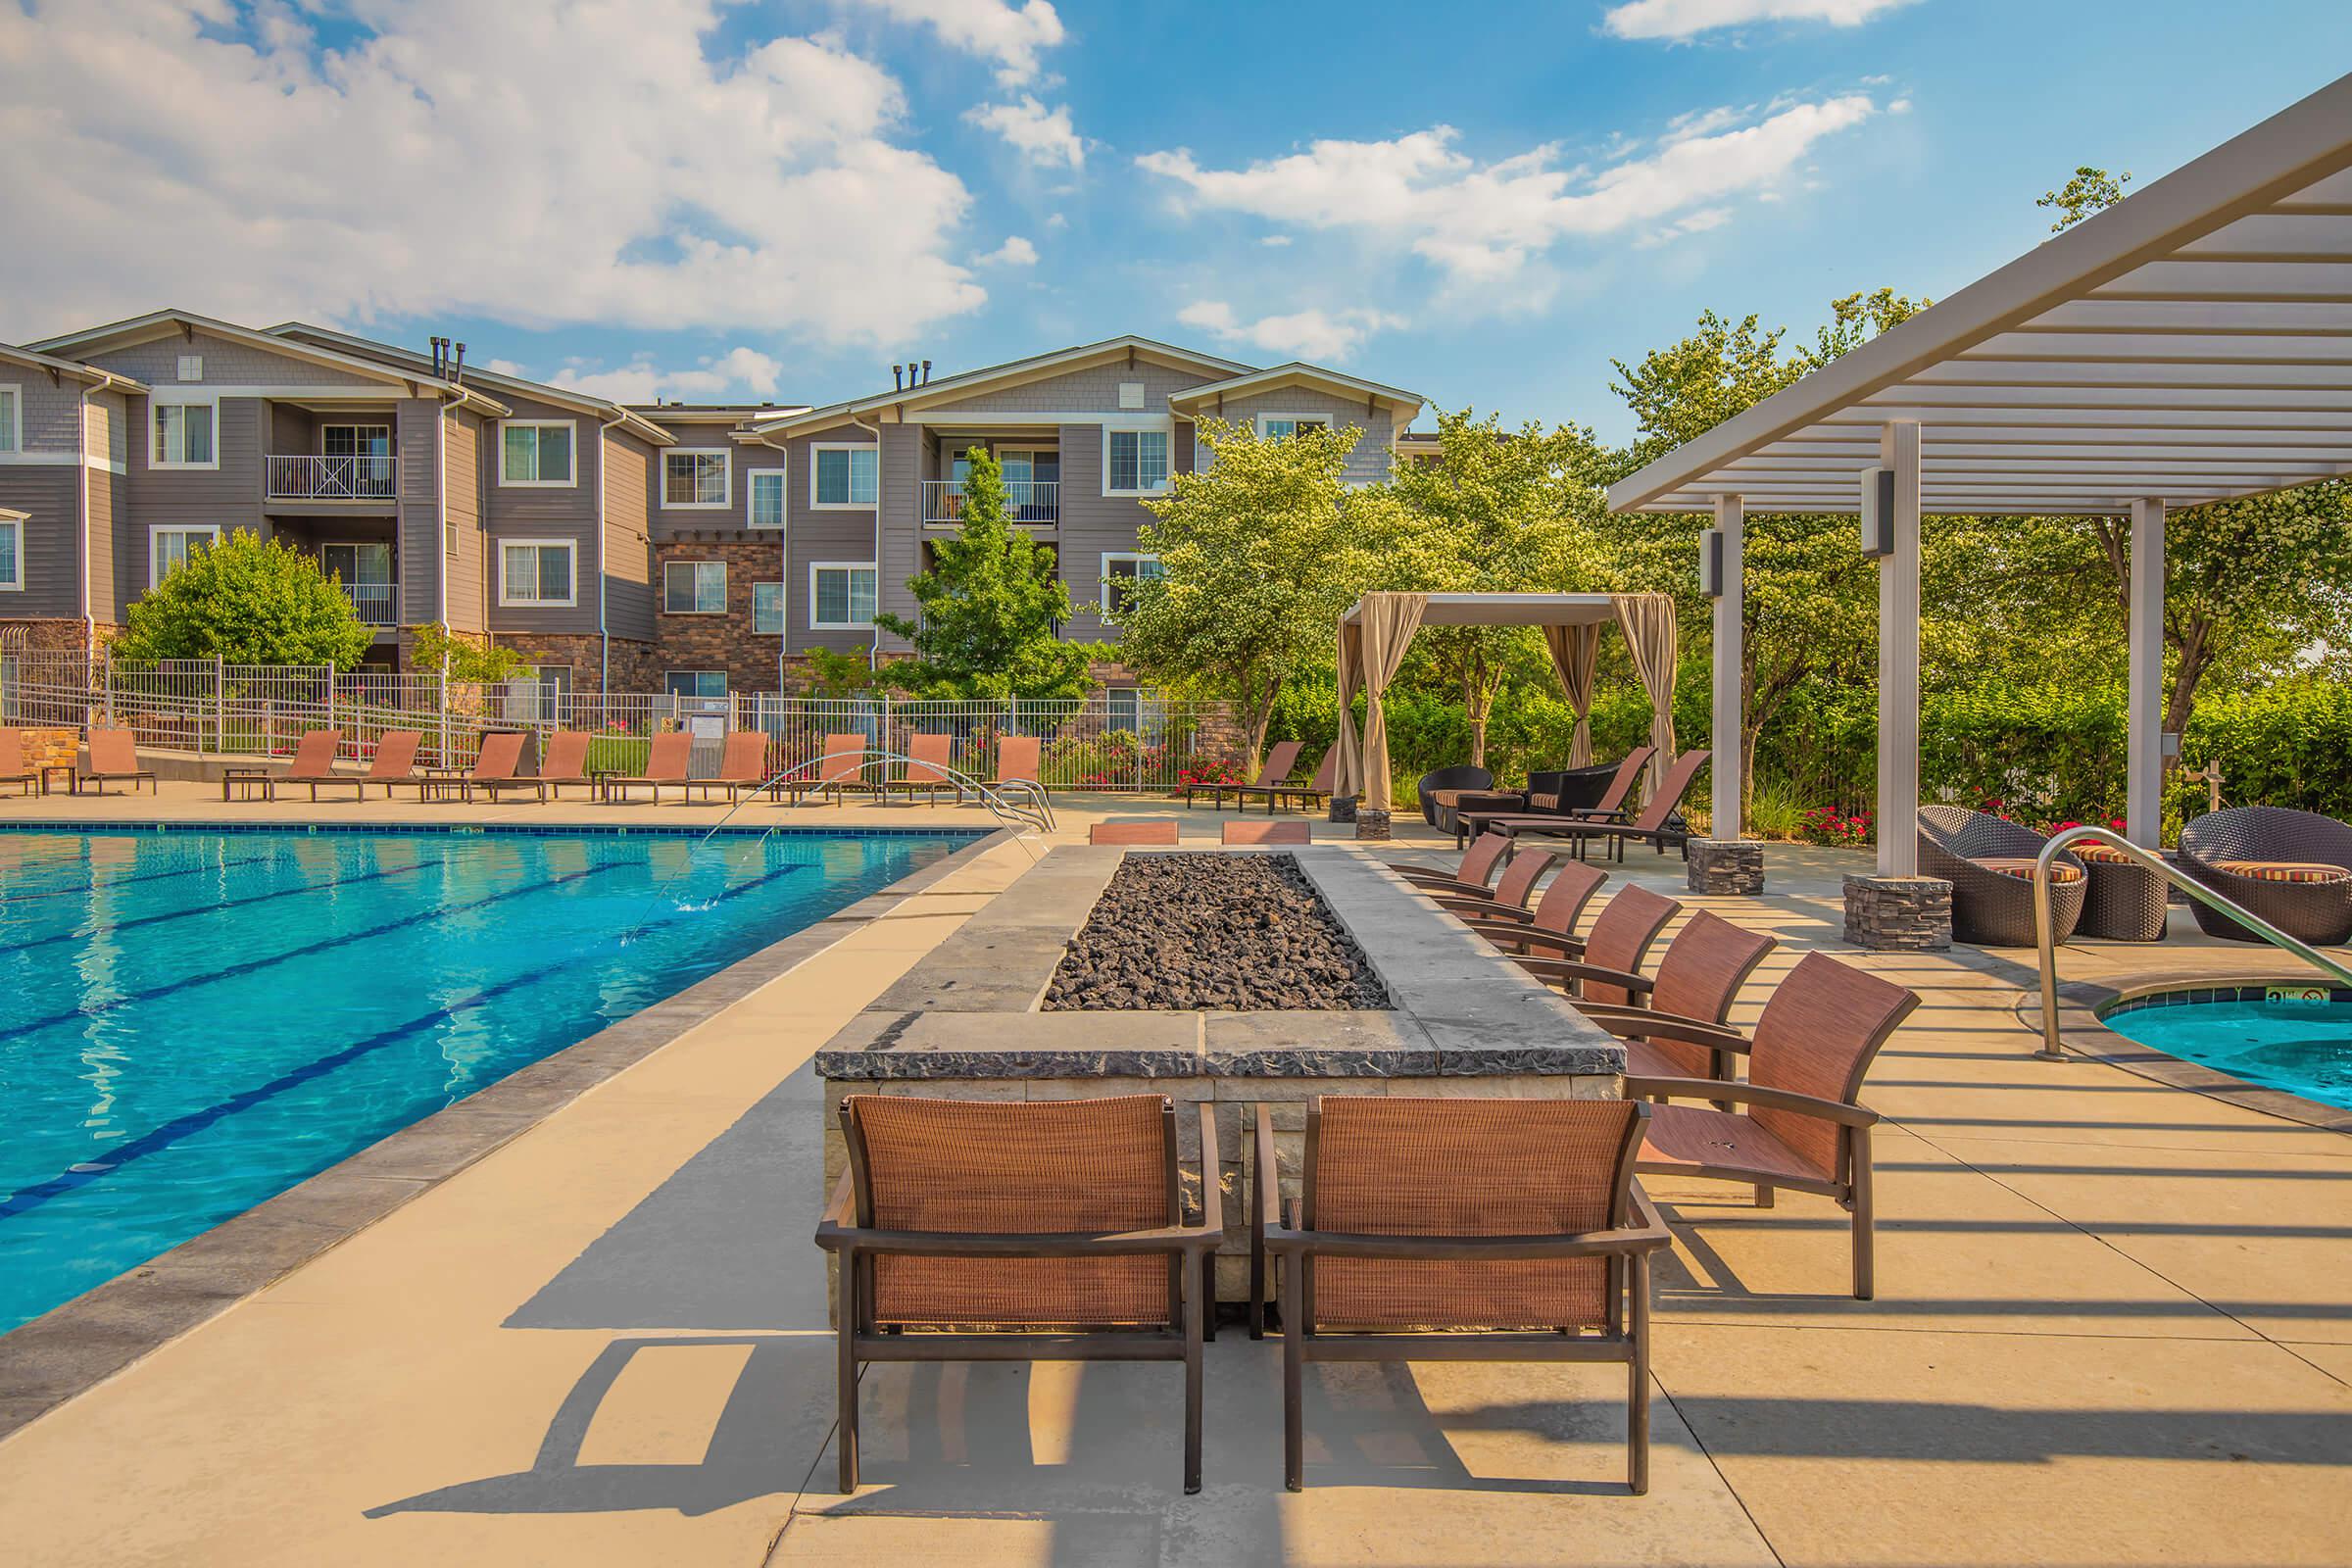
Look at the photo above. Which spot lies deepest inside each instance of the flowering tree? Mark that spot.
(248, 602)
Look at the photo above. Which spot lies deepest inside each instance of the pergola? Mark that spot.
(2190, 344)
(1377, 630)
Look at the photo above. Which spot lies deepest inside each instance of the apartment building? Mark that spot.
(694, 549)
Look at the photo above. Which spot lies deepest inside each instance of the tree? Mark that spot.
(1499, 512)
(434, 647)
(246, 601)
(1259, 553)
(991, 607)
(2091, 190)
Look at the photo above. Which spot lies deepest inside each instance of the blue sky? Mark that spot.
(776, 199)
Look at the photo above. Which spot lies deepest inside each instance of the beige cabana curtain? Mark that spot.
(1382, 630)
(1348, 779)
(1647, 621)
(1575, 650)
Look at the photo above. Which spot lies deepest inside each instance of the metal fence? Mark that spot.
(1119, 741)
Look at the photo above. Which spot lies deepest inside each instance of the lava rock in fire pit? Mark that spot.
(1235, 932)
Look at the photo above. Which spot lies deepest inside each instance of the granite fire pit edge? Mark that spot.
(969, 1009)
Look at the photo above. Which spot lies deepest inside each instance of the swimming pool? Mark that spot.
(192, 1022)
(2300, 1042)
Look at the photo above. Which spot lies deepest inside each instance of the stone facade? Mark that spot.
(50, 636)
(1899, 913)
(1725, 866)
(51, 748)
(636, 665)
(725, 641)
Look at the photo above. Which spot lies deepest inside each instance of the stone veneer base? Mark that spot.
(1899, 913)
(1725, 866)
(1371, 824)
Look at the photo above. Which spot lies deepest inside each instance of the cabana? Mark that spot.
(2190, 344)
(1375, 633)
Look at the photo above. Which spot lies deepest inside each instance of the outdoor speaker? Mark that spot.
(1878, 511)
(1710, 563)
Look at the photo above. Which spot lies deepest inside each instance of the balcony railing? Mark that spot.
(343, 478)
(1026, 501)
(379, 603)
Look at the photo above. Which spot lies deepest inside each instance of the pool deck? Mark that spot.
(2115, 1326)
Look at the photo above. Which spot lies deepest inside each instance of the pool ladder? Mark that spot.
(2044, 928)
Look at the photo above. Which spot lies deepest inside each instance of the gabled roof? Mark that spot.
(105, 380)
(393, 354)
(1012, 373)
(1297, 373)
(729, 413)
(164, 322)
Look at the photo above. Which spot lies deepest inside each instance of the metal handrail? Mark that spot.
(2045, 927)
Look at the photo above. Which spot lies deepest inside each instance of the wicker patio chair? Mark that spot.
(1438, 789)
(963, 1228)
(1462, 1230)
(2125, 901)
(1277, 767)
(1474, 877)
(1620, 935)
(1551, 926)
(1802, 1127)
(1697, 981)
(1989, 862)
(2291, 868)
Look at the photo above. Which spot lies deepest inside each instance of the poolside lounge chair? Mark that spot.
(1802, 1127)
(315, 761)
(1268, 833)
(1062, 1213)
(497, 767)
(394, 763)
(1607, 807)
(1436, 789)
(1705, 964)
(742, 766)
(2291, 868)
(1147, 830)
(11, 763)
(665, 762)
(1276, 768)
(1453, 1215)
(564, 762)
(1473, 878)
(114, 759)
(1316, 791)
(1554, 915)
(1658, 824)
(929, 759)
(1989, 862)
(1592, 970)
(842, 766)
(1512, 888)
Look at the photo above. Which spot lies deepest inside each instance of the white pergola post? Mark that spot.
(1898, 659)
(2143, 775)
(1730, 712)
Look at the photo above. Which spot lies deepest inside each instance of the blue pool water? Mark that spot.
(191, 1023)
(2304, 1048)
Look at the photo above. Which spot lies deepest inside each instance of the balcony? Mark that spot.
(379, 603)
(335, 478)
(1036, 503)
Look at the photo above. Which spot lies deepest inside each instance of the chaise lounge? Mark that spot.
(114, 759)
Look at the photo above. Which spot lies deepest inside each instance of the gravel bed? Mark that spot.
(1235, 932)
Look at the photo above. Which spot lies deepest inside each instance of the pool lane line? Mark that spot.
(377, 875)
(189, 1123)
(125, 881)
(256, 965)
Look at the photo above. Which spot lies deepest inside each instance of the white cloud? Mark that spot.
(458, 157)
(1275, 241)
(1040, 134)
(1058, 221)
(1685, 19)
(1482, 224)
(1014, 252)
(1309, 334)
(715, 379)
(1011, 35)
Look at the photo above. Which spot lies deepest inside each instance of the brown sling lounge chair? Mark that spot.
(1621, 934)
(1705, 964)
(1473, 878)
(497, 767)
(1315, 791)
(1512, 888)
(666, 761)
(114, 759)
(1278, 764)
(1611, 807)
(742, 766)
(1553, 917)
(1032, 1214)
(1802, 1127)
(1519, 1217)
(315, 761)
(1653, 827)
(564, 762)
(11, 763)
(394, 763)
(929, 757)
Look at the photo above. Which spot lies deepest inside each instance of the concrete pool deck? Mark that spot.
(2115, 1326)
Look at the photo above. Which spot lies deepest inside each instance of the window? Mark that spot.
(695, 683)
(534, 452)
(1121, 571)
(354, 440)
(535, 571)
(766, 498)
(12, 551)
(169, 549)
(843, 477)
(1135, 463)
(190, 367)
(1276, 425)
(12, 419)
(183, 436)
(841, 596)
(694, 478)
(768, 609)
(694, 588)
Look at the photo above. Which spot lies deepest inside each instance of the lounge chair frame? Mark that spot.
(1659, 823)
(99, 777)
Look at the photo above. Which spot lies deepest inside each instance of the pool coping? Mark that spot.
(200, 825)
(104, 1331)
(2082, 1029)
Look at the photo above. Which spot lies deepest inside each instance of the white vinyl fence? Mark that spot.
(1123, 741)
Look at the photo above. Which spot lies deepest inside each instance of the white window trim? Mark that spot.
(15, 427)
(751, 486)
(1165, 425)
(505, 483)
(816, 566)
(783, 614)
(668, 675)
(1329, 421)
(155, 531)
(816, 447)
(726, 460)
(13, 523)
(571, 598)
(160, 401)
(1102, 575)
(667, 567)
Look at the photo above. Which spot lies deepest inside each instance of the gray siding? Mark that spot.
(49, 412)
(901, 524)
(48, 494)
(552, 511)
(468, 568)
(110, 520)
(225, 363)
(630, 477)
(229, 497)
(418, 547)
(813, 535)
(1088, 390)
(1092, 523)
(1367, 464)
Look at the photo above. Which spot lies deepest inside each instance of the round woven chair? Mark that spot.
(1436, 790)
(2291, 868)
(2127, 901)
(1989, 862)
